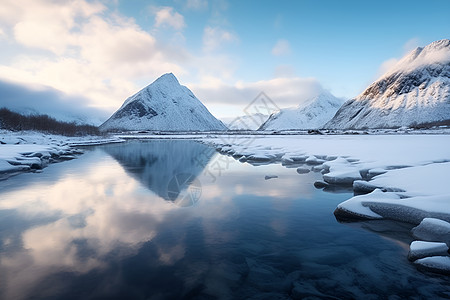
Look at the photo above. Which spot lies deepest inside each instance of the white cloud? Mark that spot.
(282, 47)
(196, 4)
(284, 92)
(413, 58)
(169, 17)
(386, 66)
(411, 44)
(93, 52)
(216, 37)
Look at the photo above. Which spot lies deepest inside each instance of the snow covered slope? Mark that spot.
(246, 122)
(415, 91)
(312, 114)
(164, 105)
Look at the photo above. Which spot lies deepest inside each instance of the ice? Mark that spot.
(415, 167)
(392, 206)
(420, 249)
(433, 230)
(6, 167)
(341, 172)
(437, 264)
(302, 170)
(25, 150)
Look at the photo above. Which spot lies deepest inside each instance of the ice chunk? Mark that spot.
(345, 177)
(320, 184)
(342, 172)
(431, 229)
(420, 249)
(437, 264)
(302, 170)
(312, 160)
(360, 186)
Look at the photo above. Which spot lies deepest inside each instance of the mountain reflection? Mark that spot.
(169, 168)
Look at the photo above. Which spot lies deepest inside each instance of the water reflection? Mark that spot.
(166, 167)
(101, 227)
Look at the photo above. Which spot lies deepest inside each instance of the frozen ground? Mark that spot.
(402, 177)
(32, 151)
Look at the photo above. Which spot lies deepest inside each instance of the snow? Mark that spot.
(246, 122)
(415, 91)
(420, 249)
(312, 114)
(413, 168)
(433, 230)
(406, 175)
(440, 264)
(29, 150)
(164, 105)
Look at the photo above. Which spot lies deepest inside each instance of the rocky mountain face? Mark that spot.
(164, 105)
(415, 91)
(312, 114)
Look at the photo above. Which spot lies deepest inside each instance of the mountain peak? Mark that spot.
(415, 91)
(313, 113)
(163, 105)
(167, 78)
(437, 52)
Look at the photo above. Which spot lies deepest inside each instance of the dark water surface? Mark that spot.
(174, 220)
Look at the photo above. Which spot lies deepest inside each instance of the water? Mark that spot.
(174, 219)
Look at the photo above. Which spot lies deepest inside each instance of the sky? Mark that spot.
(86, 57)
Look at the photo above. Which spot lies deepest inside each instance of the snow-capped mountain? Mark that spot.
(246, 122)
(415, 91)
(164, 105)
(311, 114)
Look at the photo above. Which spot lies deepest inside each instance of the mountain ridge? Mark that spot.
(414, 91)
(312, 114)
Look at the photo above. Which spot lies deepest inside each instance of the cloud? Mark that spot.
(284, 92)
(410, 45)
(167, 16)
(216, 37)
(386, 66)
(45, 100)
(415, 58)
(282, 47)
(196, 4)
(284, 71)
(91, 51)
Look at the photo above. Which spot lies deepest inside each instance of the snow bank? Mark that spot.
(405, 176)
(25, 151)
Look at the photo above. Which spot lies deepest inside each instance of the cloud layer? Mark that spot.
(44, 100)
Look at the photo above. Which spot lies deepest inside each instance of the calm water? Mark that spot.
(174, 219)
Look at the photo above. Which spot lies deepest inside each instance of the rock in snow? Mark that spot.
(420, 249)
(415, 91)
(164, 105)
(312, 114)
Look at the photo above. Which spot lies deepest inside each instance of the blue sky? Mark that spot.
(225, 51)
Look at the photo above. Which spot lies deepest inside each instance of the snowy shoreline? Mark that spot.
(30, 151)
(402, 178)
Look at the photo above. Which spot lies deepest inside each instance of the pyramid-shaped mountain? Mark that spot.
(164, 105)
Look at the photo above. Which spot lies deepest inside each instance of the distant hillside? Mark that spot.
(10, 120)
(312, 114)
(414, 92)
